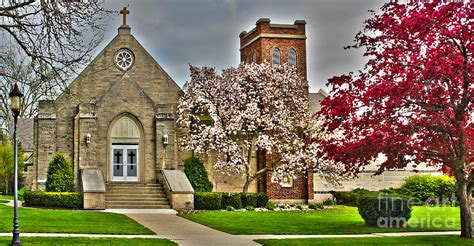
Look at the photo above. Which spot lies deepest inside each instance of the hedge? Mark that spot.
(385, 212)
(218, 200)
(207, 200)
(53, 199)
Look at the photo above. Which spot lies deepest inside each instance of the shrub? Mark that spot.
(53, 199)
(250, 208)
(230, 208)
(270, 206)
(60, 177)
(262, 200)
(385, 211)
(7, 167)
(316, 206)
(424, 187)
(231, 199)
(207, 200)
(352, 198)
(329, 202)
(197, 175)
(249, 199)
(299, 206)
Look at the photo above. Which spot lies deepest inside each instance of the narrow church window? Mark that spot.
(254, 57)
(247, 60)
(124, 59)
(286, 182)
(276, 56)
(292, 58)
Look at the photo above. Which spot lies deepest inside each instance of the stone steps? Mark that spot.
(135, 195)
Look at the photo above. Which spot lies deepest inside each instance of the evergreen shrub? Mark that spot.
(60, 177)
(385, 212)
(197, 175)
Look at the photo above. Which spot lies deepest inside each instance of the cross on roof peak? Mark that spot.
(124, 12)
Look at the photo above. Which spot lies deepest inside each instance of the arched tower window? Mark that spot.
(254, 57)
(276, 56)
(247, 59)
(292, 58)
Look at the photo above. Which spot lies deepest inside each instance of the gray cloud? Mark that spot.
(205, 32)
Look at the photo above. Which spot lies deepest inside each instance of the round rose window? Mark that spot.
(124, 59)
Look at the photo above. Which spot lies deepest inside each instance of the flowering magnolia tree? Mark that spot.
(249, 108)
(413, 101)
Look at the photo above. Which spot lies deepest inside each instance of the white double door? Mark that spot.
(124, 162)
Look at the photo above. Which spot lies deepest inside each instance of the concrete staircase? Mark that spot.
(133, 195)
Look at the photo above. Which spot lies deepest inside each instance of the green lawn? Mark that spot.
(336, 220)
(411, 240)
(70, 221)
(47, 241)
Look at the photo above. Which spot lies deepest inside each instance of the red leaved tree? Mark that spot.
(413, 100)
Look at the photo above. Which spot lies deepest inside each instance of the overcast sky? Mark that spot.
(206, 32)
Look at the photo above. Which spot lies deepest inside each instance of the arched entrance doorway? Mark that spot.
(125, 139)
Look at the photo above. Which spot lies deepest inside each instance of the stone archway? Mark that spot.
(125, 141)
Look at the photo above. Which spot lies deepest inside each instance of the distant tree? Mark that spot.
(44, 43)
(254, 107)
(197, 175)
(60, 177)
(7, 167)
(34, 88)
(413, 100)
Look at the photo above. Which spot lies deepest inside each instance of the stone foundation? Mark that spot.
(94, 200)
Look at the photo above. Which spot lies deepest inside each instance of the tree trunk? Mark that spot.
(246, 185)
(465, 204)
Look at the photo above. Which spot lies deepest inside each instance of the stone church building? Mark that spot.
(116, 123)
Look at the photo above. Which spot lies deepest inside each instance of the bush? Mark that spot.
(53, 199)
(231, 199)
(250, 208)
(207, 200)
(352, 198)
(316, 206)
(7, 166)
(249, 199)
(60, 177)
(230, 208)
(424, 187)
(385, 211)
(329, 202)
(197, 175)
(270, 206)
(262, 200)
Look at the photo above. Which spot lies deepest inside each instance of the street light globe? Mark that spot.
(15, 96)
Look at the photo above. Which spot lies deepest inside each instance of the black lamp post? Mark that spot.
(15, 96)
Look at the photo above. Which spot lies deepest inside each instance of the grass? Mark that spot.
(47, 241)
(70, 221)
(411, 240)
(336, 220)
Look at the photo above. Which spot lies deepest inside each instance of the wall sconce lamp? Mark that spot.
(165, 139)
(88, 139)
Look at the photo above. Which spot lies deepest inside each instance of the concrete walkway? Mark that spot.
(185, 232)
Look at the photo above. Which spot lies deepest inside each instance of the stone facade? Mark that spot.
(80, 121)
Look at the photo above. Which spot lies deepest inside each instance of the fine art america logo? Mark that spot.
(432, 206)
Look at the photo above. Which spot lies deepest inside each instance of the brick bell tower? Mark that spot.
(279, 44)
(276, 44)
